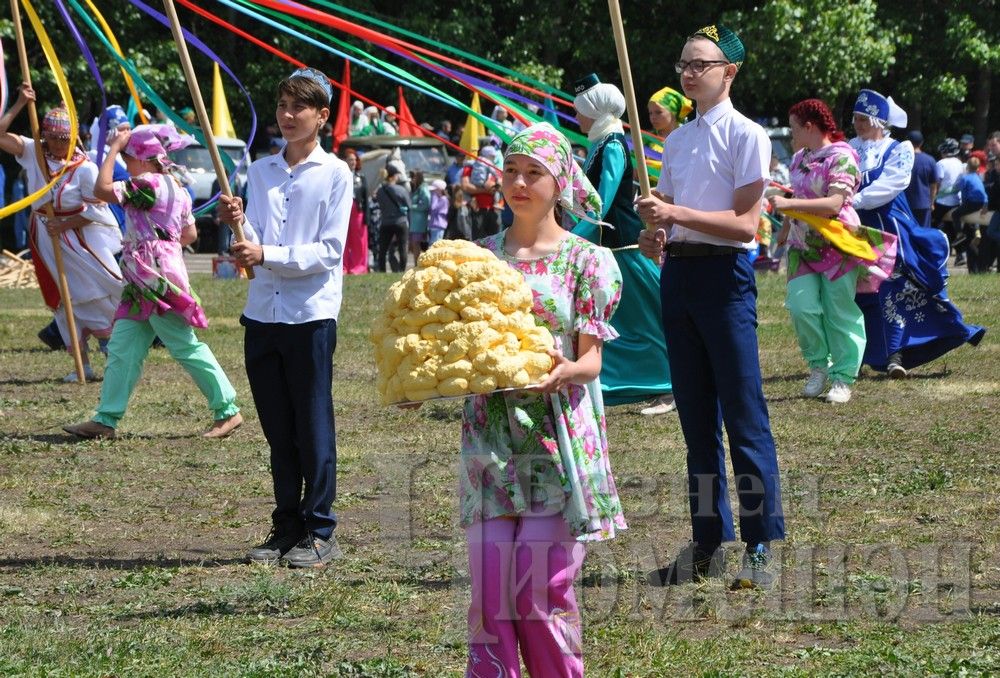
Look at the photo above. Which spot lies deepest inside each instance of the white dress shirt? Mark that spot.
(706, 160)
(895, 175)
(299, 215)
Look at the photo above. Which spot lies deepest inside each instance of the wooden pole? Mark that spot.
(199, 107)
(629, 91)
(74, 340)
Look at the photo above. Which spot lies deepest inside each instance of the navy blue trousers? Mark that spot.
(710, 323)
(290, 368)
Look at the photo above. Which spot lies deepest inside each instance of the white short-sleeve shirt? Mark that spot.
(706, 160)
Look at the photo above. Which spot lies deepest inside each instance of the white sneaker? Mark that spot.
(88, 372)
(839, 393)
(661, 405)
(815, 383)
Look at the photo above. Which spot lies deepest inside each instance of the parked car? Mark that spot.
(417, 153)
(198, 160)
(781, 143)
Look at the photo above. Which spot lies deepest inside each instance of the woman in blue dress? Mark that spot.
(635, 366)
(910, 320)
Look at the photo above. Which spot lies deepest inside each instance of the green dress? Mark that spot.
(635, 365)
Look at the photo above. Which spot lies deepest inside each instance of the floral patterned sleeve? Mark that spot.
(598, 291)
(844, 174)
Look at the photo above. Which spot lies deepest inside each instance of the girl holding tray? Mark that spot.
(535, 480)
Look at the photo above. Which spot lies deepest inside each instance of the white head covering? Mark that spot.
(604, 104)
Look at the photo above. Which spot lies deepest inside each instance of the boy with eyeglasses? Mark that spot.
(705, 212)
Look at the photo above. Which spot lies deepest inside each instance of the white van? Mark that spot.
(198, 161)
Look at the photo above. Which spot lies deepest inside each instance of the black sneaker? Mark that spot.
(758, 569)
(694, 563)
(277, 544)
(313, 551)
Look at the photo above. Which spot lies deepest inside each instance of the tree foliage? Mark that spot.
(939, 60)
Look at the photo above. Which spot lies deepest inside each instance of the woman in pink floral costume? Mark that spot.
(535, 478)
(157, 299)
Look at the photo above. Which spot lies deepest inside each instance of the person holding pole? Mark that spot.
(299, 206)
(703, 216)
(634, 367)
(88, 232)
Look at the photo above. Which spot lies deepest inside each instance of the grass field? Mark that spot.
(123, 558)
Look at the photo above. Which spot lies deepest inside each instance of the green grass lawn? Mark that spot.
(122, 558)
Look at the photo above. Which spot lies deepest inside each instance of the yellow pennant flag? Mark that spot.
(473, 129)
(222, 124)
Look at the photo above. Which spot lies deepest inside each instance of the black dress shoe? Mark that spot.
(694, 563)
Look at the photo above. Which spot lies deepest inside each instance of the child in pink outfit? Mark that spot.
(535, 480)
(157, 299)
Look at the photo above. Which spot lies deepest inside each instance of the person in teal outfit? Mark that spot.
(635, 367)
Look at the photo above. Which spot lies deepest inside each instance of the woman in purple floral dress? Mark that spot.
(157, 299)
(536, 483)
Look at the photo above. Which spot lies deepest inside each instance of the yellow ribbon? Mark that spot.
(114, 43)
(836, 234)
(63, 85)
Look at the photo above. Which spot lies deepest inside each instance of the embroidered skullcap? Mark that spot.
(598, 99)
(542, 143)
(153, 142)
(56, 123)
(585, 83)
(727, 41)
(673, 101)
(315, 76)
(883, 109)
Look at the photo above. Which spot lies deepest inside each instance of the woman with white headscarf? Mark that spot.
(358, 121)
(635, 367)
(910, 320)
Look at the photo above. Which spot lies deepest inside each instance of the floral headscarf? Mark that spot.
(541, 142)
(153, 142)
(673, 101)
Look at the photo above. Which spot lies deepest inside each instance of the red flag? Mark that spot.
(342, 123)
(407, 126)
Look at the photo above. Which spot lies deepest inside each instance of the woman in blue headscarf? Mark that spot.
(910, 320)
(635, 367)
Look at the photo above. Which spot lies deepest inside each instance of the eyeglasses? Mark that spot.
(697, 66)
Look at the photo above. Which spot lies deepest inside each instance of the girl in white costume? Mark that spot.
(88, 232)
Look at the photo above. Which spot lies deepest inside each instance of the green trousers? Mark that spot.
(828, 323)
(127, 350)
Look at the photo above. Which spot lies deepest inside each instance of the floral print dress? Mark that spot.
(524, 450)
(157, 208)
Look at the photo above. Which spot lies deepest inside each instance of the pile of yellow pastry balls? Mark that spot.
(459, 323)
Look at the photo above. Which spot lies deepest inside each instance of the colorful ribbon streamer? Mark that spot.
(63, 86)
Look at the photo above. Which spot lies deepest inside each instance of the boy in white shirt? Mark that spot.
(298, 207)
(705, 213)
